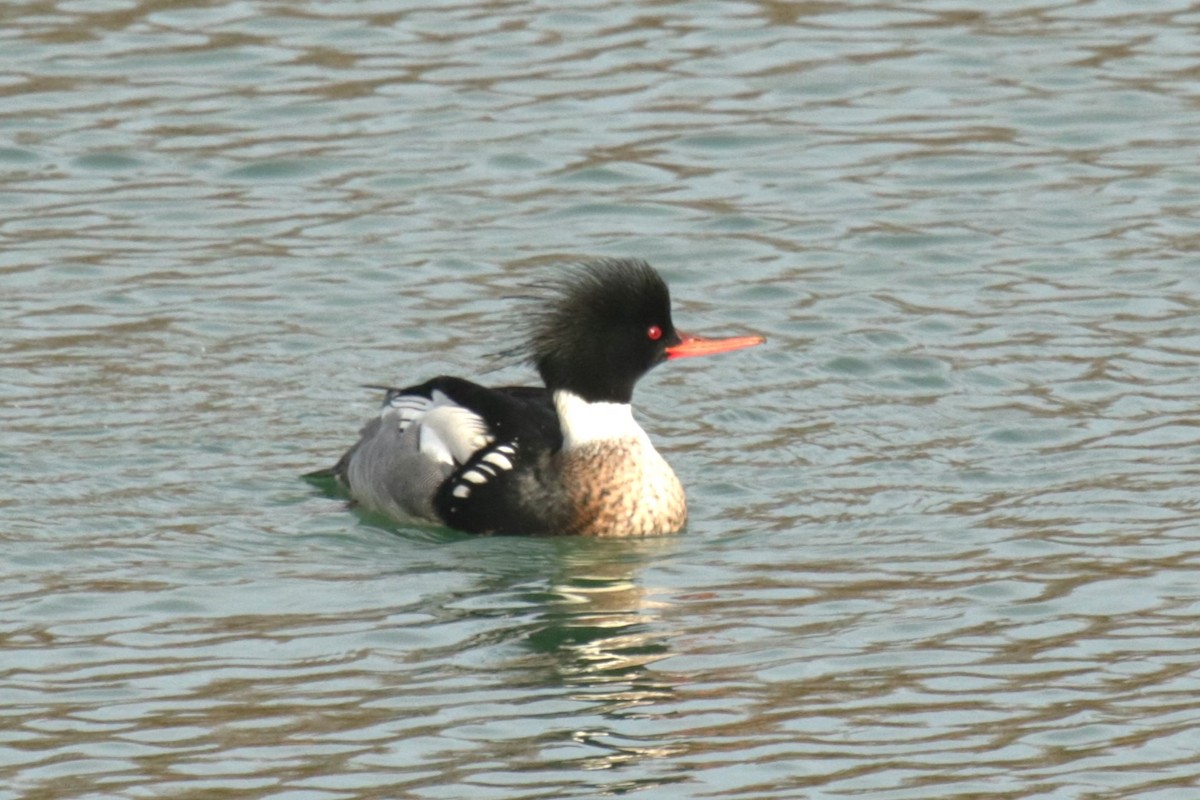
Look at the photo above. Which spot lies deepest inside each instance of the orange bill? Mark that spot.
(692, 345)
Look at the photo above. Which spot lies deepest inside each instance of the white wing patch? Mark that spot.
(447, 432)
(452, 434)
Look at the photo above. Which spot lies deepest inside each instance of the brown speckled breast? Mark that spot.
(622, 488)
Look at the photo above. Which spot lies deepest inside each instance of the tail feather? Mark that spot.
(321, 475)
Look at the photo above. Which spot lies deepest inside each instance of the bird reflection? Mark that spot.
(603, 628)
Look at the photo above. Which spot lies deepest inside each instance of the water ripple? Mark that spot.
(942, 538)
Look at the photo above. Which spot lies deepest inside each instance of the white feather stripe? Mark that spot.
(498, 459)
(405, 409)
(414, 402)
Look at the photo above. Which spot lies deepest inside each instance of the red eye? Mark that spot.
(654, 332)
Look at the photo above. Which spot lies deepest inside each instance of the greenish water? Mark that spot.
(944, 525)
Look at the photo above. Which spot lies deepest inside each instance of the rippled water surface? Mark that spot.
(944, 536)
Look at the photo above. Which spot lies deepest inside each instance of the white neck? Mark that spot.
(583, 422)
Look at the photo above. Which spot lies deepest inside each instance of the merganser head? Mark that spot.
(606, 323)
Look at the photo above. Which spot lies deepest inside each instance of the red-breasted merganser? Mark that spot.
(568, 458)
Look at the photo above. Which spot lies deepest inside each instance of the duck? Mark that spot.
(566, 457)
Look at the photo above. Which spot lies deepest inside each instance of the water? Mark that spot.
(944, 525)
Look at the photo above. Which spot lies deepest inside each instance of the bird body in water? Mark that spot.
(568, 458)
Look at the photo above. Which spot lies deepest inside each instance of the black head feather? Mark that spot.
(599, 327)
